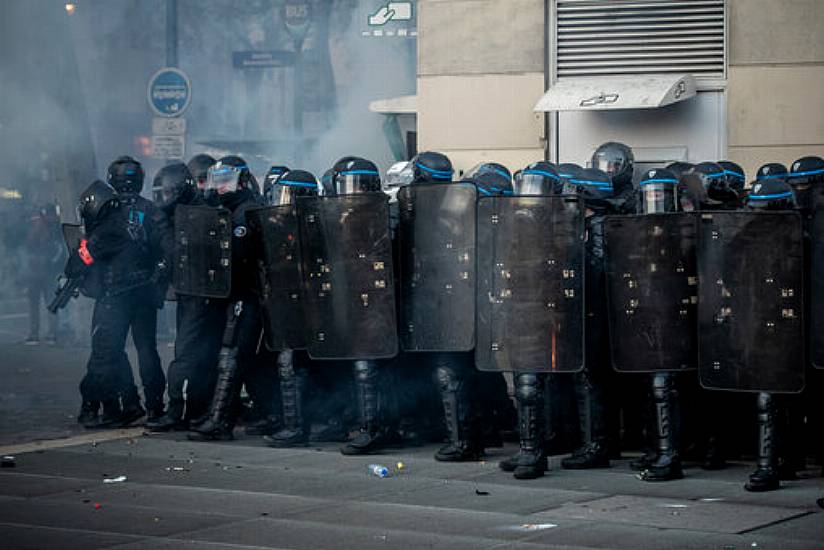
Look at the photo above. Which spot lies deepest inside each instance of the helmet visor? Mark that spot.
(537, 182)
(659, 196)
(357, 181)
(222, 179)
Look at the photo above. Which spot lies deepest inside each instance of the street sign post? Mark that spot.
(168, 147)
(169, 92)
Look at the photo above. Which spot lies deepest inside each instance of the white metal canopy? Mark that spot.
(406, 104)
(616, 92)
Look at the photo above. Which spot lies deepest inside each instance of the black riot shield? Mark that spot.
(437, 271)
(750, 303)
(652, 292)
(72, 235)
(817, 284)
(530, 298)
(203, 251)
(276, 230)
(348, 276)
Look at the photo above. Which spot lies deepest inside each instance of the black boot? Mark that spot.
(667, 465)
(765, 477)
(132, 409)
(292, 386)
(464, 444)
(372, 436)
(218, 425)
(88, 417)
(642, 463)
(594, 453)
(532, 462)
(171, 420)
(112, 414)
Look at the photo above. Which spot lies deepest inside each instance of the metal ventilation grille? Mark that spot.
(619, 37)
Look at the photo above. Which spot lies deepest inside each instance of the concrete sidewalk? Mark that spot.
(245, 495)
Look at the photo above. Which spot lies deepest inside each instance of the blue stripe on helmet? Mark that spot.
(291, 183)
(808, 173)
(436, 173)
(732, 173)
(484, 191)
(716, 175)
(771, 176)
(502, 174)
(540, 173)
(360, 172)
(785, 195)
(659, 180)
(565, 175)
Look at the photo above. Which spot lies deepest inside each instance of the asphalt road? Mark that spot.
(244, 495)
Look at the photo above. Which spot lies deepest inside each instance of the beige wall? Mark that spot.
(480, 73)
(775, 88)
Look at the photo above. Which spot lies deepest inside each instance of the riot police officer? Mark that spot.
(231, 186)
(174, 185)
(595, 187)
(292, 364)
(129, 295)
(540, 179)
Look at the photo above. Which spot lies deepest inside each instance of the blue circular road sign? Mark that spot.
(169, 92)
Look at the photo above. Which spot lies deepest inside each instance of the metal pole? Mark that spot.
(171, 33)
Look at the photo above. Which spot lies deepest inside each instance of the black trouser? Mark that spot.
(40, 287)
(199, 331)
(108, 374)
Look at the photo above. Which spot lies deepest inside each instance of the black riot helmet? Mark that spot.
(717, 191)
(807, 180)
(595, 188)
(431, 167)
(271, 178)
(126, 175)
(679, 168)
(569, 171)
(770, 171)
(357, 176)
(735, 175)
(491, 182)
(293, 184)
(226, 177)
(658, 191)
(492, 167)
(771, 194)
(96, 198)
(199, 167)
(617, 160)
(327, 184)
(539, 178)
(173, 184)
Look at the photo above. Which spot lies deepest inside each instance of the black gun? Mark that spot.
(66, 290)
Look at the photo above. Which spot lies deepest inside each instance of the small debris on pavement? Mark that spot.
(8, 461)
(481, 493)
(118, 479)
(176, 469)
(537, 526)
(97, 506)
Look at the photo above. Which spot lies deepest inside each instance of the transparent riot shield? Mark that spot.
(750, 303)
(530, 299)
(437, 271)
(652, 290)
(348, 276)
(203, 251)
(276, 231)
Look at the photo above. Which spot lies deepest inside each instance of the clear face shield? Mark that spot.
(611, 164)
(222, 179)
(285, 192)
(398, 175)
(353, 182)
(535, 182)
(659, 196)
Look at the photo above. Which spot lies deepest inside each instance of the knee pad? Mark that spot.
(527, 388)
